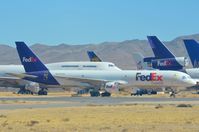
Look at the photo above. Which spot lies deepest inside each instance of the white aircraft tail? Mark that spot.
(139, 59)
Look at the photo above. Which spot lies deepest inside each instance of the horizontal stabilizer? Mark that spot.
(21, 75)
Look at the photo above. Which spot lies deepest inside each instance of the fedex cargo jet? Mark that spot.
(175, 63)
(164, 59)
(27, 87)
(110, 81)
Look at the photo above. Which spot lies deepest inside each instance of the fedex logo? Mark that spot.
(164, 63)
(30, 59)
(151, 77)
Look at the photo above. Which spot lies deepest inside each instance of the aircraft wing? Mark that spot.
(11, 81)
(91, 81)
(21, 75)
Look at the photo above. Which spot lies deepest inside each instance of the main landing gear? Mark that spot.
(43, 91)
(24, 91)
(172, 93)
(97, 94)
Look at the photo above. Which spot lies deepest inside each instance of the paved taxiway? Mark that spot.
(52, 102)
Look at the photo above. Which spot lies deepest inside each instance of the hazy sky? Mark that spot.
(94, 21)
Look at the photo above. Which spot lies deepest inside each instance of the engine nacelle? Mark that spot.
(112, 87)
(170, 63)
(184, 61)
(32, 86)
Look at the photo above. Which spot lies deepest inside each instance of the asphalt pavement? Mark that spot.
(53, 102)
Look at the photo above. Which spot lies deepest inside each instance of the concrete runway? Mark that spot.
(53, 102)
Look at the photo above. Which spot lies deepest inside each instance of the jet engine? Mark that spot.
(32, 86)
(112, 87)
(167, 63)
(184, 61)
(173, 63)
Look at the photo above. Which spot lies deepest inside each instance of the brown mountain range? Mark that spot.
(119, 53)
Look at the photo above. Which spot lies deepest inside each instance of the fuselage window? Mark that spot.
(93, 66)
(110, 65)
(69, 66)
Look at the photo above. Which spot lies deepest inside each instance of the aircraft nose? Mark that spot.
(193, 82)
(197, 83)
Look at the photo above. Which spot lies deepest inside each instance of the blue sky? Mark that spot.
(94, 21)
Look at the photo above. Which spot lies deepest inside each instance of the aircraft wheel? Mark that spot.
(173, 94)
(106, 94)
(27, 92)
(94, 93)
(19, 92)
(45, 93)
(42, 92)
(22, 91)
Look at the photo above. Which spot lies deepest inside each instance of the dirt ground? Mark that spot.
(121, 118)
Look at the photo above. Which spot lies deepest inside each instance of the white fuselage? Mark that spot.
(10, 82)
(134, 78)
(193, 72)
(63, 66)
(110, 73)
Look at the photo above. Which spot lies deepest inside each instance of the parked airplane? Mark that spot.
(176, 63)
(27, 87)
(164, 59)
(110, 81)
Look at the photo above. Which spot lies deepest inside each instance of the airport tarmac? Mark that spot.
(55, 102)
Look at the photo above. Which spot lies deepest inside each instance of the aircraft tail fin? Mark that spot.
(93, 57)
(139, 59)
(36, 71)
(159, 49)
(28, 59)
(192, 48)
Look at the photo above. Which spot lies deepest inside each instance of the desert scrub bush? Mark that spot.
(32, 123)
(184, 105)
(4, 124)
(158, 106)
(3, 116)
(66, 119)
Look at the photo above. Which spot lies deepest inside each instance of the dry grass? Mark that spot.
(184, 94)
(103, 118)
(2, 102)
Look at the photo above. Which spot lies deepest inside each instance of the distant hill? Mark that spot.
(119, 53)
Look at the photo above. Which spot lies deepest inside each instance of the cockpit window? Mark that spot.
(111, 65)
(184, 77)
